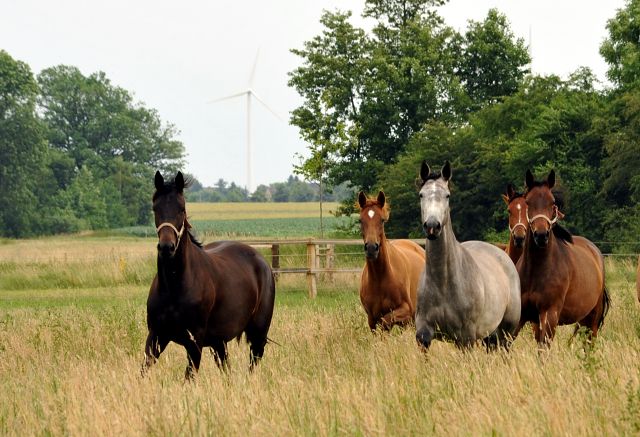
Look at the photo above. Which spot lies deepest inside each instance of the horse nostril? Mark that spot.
(546, 235)
(365, 246)
(377, 246)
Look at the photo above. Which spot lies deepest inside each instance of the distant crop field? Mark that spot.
(293, 227)
(270, 210)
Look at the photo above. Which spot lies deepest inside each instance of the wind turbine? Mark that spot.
(249, 92)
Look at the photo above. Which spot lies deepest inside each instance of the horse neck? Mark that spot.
(382, 262)
(514, 252)
(443, 256)
(171, 273)
(536, 257)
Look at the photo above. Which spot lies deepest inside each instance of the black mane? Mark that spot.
(515, 196)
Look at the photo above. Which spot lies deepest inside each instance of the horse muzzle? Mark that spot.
(432, 228)
(166, 249)
(541, 238)
(371, 250)
(518, 242)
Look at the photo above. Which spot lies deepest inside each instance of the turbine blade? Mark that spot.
(229, 97)
(253, 72)
(267, 106)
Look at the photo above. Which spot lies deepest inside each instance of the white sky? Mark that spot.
(176, 56)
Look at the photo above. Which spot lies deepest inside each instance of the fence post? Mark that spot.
(311, 264)
(275, 259)
(330, 260)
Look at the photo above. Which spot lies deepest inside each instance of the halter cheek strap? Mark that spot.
(169, 225)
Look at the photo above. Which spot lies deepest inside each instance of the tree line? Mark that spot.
(292, 190)
(376, 104)
(76, 152)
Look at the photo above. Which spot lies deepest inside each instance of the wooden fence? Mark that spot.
(317, 250)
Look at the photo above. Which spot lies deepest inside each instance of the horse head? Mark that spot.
(434, 199)
(517, 208)
(542, 212)
(373, 214)
(169, 212)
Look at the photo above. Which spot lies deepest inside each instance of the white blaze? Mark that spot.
(371, 213)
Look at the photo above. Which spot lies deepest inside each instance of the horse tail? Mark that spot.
(606, 303)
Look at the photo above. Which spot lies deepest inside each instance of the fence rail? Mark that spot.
(320, 257)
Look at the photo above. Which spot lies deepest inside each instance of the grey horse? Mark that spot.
(468, 291)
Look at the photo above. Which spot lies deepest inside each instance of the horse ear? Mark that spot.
(362, 199)
(510, 191)
(159, 181)
(425, 171)
(446, 171)
(381, 199)
(530, 180)
(551, 179)
(506, 199)
(179, 182)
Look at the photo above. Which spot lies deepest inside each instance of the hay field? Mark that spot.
(69, 360)
(270, 210)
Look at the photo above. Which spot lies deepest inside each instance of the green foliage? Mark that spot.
(301, 192)
(282, 193)
(621, 50)
(491, 65)
(23, 150)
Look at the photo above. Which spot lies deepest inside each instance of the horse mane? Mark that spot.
(432, 176)
(558, 199)
(169, 186)
(386, 209)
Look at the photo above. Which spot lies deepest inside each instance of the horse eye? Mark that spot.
(421, 195)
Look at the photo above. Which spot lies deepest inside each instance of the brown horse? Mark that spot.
(562, 277)
(518, 225)
(203, 296)
(390, 276)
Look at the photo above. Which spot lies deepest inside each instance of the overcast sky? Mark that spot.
(176, 56)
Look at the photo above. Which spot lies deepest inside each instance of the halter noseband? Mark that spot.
(169, 225)
(551, 222)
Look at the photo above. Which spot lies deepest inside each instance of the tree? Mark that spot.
(621, 50)
(23, 150)
(97, 125)
(492, 62)
(282, 193)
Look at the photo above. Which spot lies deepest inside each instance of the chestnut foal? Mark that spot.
(390, 276)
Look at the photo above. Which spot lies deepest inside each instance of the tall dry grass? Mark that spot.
(71, 371)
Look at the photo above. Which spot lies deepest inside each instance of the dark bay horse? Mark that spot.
(562, 276)
(390, 276)
(203, 296)
(518, 224)
(468, 291)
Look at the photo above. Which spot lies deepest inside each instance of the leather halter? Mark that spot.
(551, 222)
(169, 225)
(512, 229)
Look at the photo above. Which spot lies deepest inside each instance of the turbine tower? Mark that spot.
(249, 92)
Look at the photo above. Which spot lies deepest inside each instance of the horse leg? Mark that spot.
(400, 316)
(152, 350)
(546, 330)
(257, 340)
(194, 355)
(491, 342)
(219, 350)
